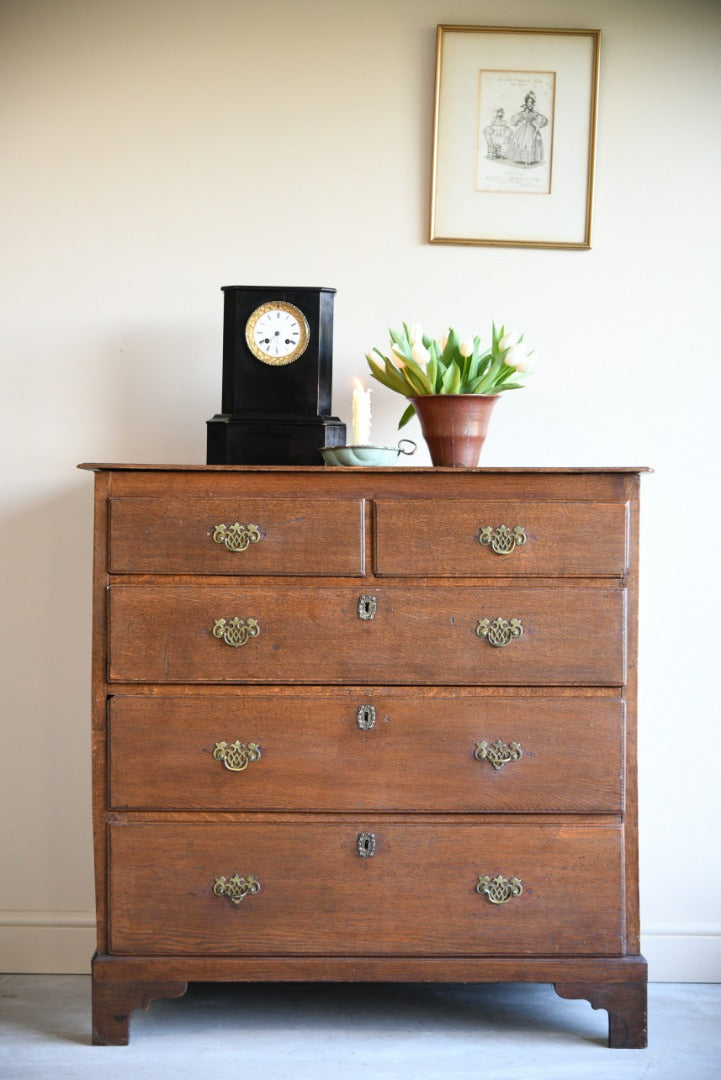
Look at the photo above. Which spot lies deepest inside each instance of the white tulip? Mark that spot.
(519, 357)
(510, 339)
(442, 342)
(466, 347)
(528, 363)
(415, 332)
(515, 356)
(396, 356)
(420, 354)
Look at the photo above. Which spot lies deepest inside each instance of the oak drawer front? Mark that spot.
(556, 636)
(480, 538)
(242, 536)
(365, 750)
(305, 889)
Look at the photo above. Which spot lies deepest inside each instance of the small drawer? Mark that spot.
(323, 537)
(483, 538)
(362, 750)
(365, 888)
(448, 635)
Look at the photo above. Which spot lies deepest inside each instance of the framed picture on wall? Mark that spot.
(514, 136)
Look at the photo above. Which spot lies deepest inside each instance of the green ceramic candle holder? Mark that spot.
(366, 455)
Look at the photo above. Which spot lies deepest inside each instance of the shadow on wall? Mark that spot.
(143, 396)
(46, 643)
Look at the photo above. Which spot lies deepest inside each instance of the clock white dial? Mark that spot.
(277, 333)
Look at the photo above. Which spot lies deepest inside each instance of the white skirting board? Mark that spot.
(62, 943)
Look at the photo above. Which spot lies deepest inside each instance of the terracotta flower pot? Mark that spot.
(455, 426)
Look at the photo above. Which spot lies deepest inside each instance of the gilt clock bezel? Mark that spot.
(296, 352)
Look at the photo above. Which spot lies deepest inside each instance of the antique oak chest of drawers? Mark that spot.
(365, 724)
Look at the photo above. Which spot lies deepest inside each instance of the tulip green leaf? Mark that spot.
(409, 412)
(419, 364)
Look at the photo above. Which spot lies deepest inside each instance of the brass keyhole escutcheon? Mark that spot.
(367, 607)
(366, 717)
(366, 845)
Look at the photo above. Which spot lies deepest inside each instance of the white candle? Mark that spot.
(361, 414)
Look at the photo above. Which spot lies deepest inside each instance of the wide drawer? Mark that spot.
(365, 750)
(484, 538)
(417, 894)
(564, 635)
(244, 535)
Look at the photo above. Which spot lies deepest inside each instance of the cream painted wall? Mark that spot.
(154, 150)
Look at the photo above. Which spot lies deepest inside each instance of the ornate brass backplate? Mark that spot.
(498, 753)
(235, 631)
(500, 632)
(502, 540)
(236, 537)
(236, 888)
(236, 756)
(499, 890)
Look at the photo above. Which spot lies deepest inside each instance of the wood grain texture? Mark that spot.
(442, 538)
(114, 999)
(418, 756)
(571, 636)
(562, 818)
(313, 536)
(415, 895)
(625, 1003)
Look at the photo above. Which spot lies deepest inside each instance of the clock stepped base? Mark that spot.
(123, 984)
(272, 440)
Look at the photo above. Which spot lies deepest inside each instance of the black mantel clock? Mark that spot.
(277, 378)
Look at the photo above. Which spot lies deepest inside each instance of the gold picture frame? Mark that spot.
(514, 135)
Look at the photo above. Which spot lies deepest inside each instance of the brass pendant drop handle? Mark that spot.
(502, 540)
(236, 888)
(499, 890)
(236, 537)
(235, 632)
(499, 632)
(236, 756)
(498, 753)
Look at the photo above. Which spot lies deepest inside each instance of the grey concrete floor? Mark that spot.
(389, 1032)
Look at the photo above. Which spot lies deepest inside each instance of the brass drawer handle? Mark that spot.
(236, 756)
(235, 631)
(498, 753)
(500, 632)
(236, 888)
(236, 537)
(502, 540)
(499, 890)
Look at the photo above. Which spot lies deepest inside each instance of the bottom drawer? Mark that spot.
(420, 891)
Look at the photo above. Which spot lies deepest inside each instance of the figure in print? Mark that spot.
(497, 136)
(525, 146)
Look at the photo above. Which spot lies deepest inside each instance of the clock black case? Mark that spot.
(275, 414)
